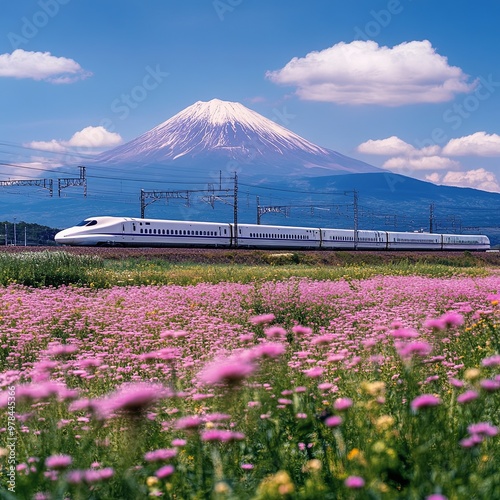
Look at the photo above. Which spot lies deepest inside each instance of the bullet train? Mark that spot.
(132, 232)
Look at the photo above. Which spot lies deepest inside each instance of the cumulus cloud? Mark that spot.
(362, 72)
(41, 66)
(433, 162)
(394, 146)
(478, 144)
(477, 179)
(91, 138)
(420, 163)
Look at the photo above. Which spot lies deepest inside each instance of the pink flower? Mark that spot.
(354, 482)
(425, 401)
(131, 399)
(436, 496)
(262, 319)
(490, 385)
(58, 461)
(483, 429)
(314, 372)
(189, 422)
(452, 319)
(467, 397)
(160, 455)
(268, 350)
(491, 361)
(165, 471)
(404, 333)
(247, 466)
(275, 332)
(342, 404)
(179, 442)
(61, 350)
(333, 421)
(221, 435)
(407, 350)
(323, 340)
(229, 371)
(302, 330)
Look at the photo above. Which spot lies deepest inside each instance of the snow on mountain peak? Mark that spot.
(227, 130)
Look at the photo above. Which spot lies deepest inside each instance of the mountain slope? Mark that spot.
(217, 132)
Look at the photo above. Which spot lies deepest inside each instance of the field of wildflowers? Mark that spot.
(378, 388)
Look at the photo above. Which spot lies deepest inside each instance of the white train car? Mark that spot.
(465, 242)
(125, 231)
(372, 240)
(344, 239)
(288, 237)
(340, 239)
(413, 241)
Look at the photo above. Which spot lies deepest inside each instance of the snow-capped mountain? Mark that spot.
(217, 132)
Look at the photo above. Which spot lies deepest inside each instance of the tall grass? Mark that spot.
(47, 268)
(64, 268)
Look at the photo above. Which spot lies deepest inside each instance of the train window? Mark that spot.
(154, 231)
(225, 231)
(184, 232)
(133, 227)
(141, 230)
(87, 222)
(163, 231)
(176, 231)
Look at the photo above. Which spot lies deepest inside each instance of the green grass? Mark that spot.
(63, 268)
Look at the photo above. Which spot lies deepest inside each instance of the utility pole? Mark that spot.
(356, 219)
(431, 218)
(15, 233)
(235, 198)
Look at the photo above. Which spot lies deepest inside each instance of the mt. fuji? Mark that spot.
(214, 134)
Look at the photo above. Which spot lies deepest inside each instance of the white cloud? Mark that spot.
(420, 163)
(478, 144)
(41, 66)
(362, 72)
(95, 137)
(477, 179)
(91, 138)
(37, 167)
(53, 146)
(395, 146)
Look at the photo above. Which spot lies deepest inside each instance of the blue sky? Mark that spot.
(408, 85)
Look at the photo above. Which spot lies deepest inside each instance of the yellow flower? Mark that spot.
(313, 465)
(374, 389)
(472, 374)
(353, 454)
(379, 447)
(384, 422)
(151, 481)
(222, 488)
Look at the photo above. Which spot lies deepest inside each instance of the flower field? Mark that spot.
(378, 388)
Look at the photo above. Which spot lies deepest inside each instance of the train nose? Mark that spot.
(63, 237)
